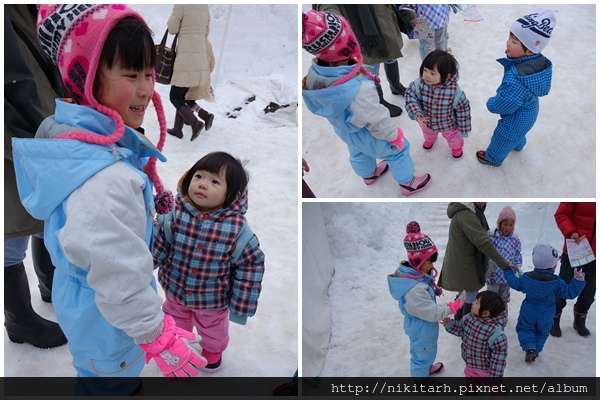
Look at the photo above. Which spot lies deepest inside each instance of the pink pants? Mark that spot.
(452, 136)
(212, 325)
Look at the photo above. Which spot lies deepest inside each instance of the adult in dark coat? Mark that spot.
(469, 247)
(576, 221)
(28, 99)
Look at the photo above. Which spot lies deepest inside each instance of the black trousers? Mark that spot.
(586, 297)
(177, 96)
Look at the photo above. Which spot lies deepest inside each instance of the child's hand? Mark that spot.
(445, 321)
(578, 274)
(421, 120)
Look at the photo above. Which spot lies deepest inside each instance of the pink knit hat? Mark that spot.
(419, 246)
(506, 213)
(73, 35)
(329, 37)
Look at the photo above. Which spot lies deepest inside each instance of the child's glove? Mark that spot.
(172, 352)
(520, 270)
(579, 274)
(438, 291)
(399, 142)
(458, 303)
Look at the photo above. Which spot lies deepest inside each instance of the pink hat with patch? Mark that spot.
(73, 36)
(328, 36)
(419, 246)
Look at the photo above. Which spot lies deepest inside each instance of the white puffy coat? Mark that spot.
(193, 64)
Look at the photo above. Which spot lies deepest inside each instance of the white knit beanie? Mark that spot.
(534, 29)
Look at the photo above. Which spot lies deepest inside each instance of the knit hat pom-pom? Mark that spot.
(164, 202)
(413, 227)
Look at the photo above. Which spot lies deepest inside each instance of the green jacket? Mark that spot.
(28, 99)
(386, 17)
(465, 237)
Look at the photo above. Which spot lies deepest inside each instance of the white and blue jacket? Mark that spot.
(98, 209)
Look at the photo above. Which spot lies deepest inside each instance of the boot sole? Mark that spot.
(18, 340)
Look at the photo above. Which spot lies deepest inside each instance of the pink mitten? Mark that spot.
(399, 142)
(578, 274)
(172, 352)
(458, 303)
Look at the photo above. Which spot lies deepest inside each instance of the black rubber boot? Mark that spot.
(188, 115)
(177, 126)
(393, 76)
(22, 323)
(579, 323)
(43, 267)
(395, 111)
(555, 330)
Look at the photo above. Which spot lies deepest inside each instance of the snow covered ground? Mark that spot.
(367, 338)
(245, 67)
(560, 157)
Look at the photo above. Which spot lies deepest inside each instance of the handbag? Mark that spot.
(404, 19)
(165, 58)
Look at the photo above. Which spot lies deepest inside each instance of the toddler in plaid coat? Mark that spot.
(484, 346)
(203, 287)
(438, 104)
(527, 76)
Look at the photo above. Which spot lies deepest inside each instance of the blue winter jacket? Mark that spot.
(98, 208)
(352, 108)
(416, 300)
(517, 98)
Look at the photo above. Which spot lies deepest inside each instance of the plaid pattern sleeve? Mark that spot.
(247, 277)
(462, 116)
(412, 102)
(498, 356)
(160, 249)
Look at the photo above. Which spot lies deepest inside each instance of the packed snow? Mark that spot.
(560, 156)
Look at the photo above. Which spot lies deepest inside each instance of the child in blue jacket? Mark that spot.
(340, 89)
(527, 76)
(541, 288)
(413, 285)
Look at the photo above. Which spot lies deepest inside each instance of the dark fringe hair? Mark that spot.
(445, 63)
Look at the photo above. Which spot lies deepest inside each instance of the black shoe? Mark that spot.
(579, 323)
(393, 77)
(394, 110)
(481, 157)
(531, 355)
(214, 366)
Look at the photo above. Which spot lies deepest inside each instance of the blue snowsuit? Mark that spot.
(541, 288)
(358, 119)
(97, 206)
(517, 101)
(416, 300)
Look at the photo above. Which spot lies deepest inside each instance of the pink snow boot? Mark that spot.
(381, 169)
(435, 368)
(416, 184)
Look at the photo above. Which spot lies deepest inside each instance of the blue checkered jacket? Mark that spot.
(475, 349)
(509, 247)
(438, 104)
(517, 97)
(195, 269)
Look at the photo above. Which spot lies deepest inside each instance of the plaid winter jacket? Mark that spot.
(475, 349)
(437, 104)
(509, 247)
(195, 269)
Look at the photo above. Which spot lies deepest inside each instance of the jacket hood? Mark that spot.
(538, 83)
(326, 101)
(400, 286)
(48, 170)
(453, 208)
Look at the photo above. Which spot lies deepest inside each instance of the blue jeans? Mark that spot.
(15, 250)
